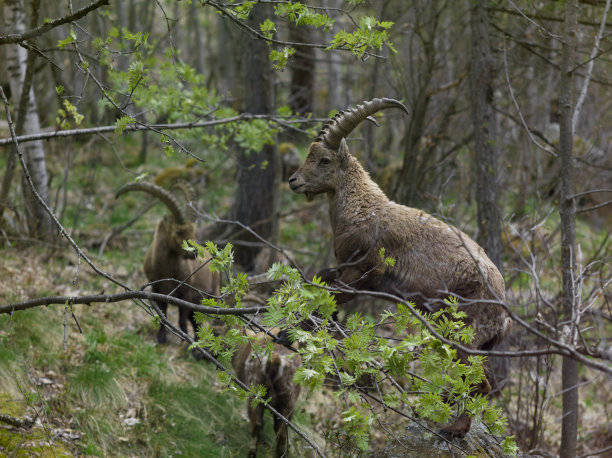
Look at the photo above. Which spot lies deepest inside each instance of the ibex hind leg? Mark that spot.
(256, 417)
(281, 441)
(161, 334)
(185, 315)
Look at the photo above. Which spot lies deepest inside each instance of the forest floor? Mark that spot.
(96, 382)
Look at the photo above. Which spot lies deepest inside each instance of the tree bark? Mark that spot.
(334, 83)
(567, 210)
(256, 199)
(405, 190)
(39, 221)
(485, 136)
(196, 46)
(302, 70)
(487, 158)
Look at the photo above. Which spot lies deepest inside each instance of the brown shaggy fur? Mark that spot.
(276, 374)
(433, 258)
(165, 259)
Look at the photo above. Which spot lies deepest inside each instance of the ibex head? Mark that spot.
(173, 228)
(328, 155)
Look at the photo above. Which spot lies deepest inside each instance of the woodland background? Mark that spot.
(508, 138)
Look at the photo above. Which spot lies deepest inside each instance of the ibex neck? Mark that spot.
(357, 198)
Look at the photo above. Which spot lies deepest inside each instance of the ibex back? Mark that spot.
(433, 259)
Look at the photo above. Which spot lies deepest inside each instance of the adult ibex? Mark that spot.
(171, 269)
(433, 259)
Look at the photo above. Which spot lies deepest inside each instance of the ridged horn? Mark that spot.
(157, 191)
(343, 123)
(189, 195)
(186, 188)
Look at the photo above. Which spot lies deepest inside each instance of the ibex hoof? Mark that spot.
(161, 339)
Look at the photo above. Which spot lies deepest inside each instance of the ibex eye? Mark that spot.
(324, 161)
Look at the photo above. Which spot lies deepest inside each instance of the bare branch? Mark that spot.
(26, 422)
(518, 109)
(589, 71)
(155, 127)
(19, 37)
(128, 295)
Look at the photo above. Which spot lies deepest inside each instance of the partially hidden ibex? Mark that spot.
(275, 372)
(433, 259)
(171, 269)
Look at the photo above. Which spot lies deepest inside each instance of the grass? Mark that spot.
(116, 391)
(112, 387)
(104, 380)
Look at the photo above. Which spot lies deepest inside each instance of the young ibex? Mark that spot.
(433, 259)
(173, 270)
(276, 374)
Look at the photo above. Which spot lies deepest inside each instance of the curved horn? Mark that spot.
(186, 188)
(168, 199)
(344, 122)
(189, 194)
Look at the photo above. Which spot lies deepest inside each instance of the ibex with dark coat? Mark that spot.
(433, 259)
(171, 269)
(276, 374)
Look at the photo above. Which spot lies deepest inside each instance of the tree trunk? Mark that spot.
(39, 221)
(334, 84)
(196, 46)
(405, 190)
(567, 210)
(302, 70)
(487, 159)
(228, 65)
(485, 136)
(368, 129)
(256, 199)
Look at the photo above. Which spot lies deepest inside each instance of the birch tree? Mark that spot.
(39, 221)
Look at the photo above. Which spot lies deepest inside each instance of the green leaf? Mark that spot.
(122, 122)
(61, 44)
(243, 10)
(268, 28)
(279, 58)
(302, 15)
(509, 446)
(371, 34)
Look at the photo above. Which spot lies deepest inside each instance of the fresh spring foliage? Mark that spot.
(64, 114)
(170, 89)
(370, 35)
(356, 355)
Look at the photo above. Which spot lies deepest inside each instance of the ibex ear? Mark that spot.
(343, 152)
